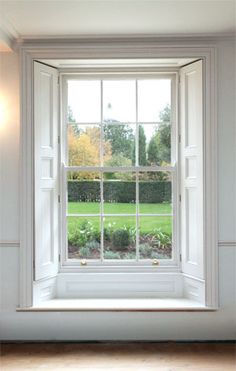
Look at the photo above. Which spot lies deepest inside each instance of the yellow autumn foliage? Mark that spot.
(84, 150)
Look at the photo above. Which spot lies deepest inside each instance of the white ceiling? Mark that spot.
(55, 18)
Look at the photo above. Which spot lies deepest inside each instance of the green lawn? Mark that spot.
(117, 208)
(147, 224)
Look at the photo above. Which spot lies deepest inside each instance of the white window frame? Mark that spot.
(122, 74)
(119, 48)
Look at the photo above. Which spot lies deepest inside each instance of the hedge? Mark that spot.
(119, 191)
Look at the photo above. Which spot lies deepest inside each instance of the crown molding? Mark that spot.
(6, 41)
(39, 39)
(9, 29)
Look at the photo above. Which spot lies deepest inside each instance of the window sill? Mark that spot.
(117, 305)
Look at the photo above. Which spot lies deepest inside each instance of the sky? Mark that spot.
(119, 100)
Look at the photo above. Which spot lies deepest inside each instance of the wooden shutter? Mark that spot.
(46, 170)
(191, 118)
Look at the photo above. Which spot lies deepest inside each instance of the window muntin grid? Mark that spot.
(102, 169)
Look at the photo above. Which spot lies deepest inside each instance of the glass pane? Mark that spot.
(83, 189)
(120, 145)
(83, 237)
(84, 101)
(119, 237)
(154, 96)
(155, 144)
(83, 145)
(155, 237)
(119, 100)
(119, 191)
(155, 194)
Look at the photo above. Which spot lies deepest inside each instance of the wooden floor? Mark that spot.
(120, 356)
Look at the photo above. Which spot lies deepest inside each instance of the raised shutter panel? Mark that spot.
(46, 170)
(191, 117)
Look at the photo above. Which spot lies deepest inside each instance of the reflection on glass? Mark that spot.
(155, 144)
(83, 237)
(155, 237)
(155, 195)
(83, 145)
(153, 97)
(119, 100)
(84, 101)
(120, 145)
(119, 193)
(83, 189)
(119, 238)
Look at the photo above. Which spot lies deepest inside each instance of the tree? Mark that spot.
(159, 148)
(95, 137)
(81, 153)
(84, 150)
(121, 138)
(70, 115)
(165, 114)
(142, 155)
(118, 161)
(152, 151)
(72, 121)
(142, 147)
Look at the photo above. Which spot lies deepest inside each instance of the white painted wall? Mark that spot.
(119, 326)
(9, 147)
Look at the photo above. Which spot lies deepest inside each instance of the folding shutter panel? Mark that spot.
(46, 170)
(192, 169)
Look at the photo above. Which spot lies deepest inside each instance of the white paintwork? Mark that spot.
(44, 290)
(111, 63)
(227, 143)
(122, 49)
(56, 326)
(125, 326)
(46, 170)
(192, 196)
(120, 304)
(67, 18)
(194, 289)
(119, 285)
(120, 74)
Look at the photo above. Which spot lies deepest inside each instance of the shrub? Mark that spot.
(162, 239)
(130, 255)
(156, 255)
(93, 245)
(83, 233)
(108, 230)
(84, 252)
(132, 232)
(111, 255)
(157, 238)
(120, 238)
(145, 250)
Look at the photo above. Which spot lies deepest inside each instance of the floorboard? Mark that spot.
(119, 356)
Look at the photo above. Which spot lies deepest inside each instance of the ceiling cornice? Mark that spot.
(125, 40)
(123, 37)
(6, 40)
